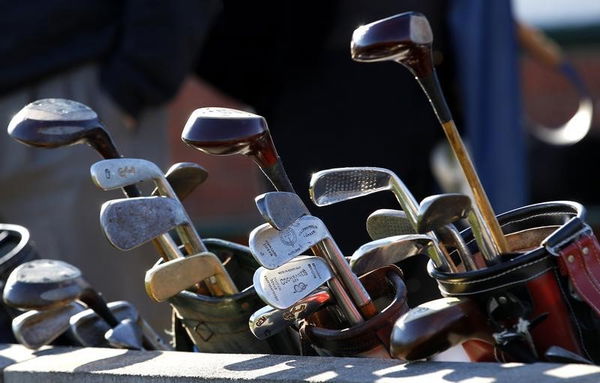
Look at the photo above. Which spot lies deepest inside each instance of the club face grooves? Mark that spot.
(335, 185)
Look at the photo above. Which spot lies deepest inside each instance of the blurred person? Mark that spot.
(126, 61)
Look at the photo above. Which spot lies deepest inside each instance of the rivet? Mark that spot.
(571, 258)
(502, 300)
(585, 250)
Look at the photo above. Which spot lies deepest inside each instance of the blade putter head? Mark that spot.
(439, 210)
(34, 328)
(387, 251)
(280, 209)
(405, 38)
(131, 222)
(43, 284)
(273, 248)
(286, 285)
(384, 223)
(225, 131)
(340, 184)
(54, 122)
(120, 172)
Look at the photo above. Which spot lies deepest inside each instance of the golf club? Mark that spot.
(224, 131)
(57, 122)
(44, 284)
(440, 210)
(273, 248)
(169, 278)
(407, 39)
(389, 250)
(280, 209)
(126, 334)
(268, 321)
(35, 329)
(184, 177)
(340, 184)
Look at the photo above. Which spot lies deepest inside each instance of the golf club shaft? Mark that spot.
(344, 301)
(433, 90)
(277, 176)
(329, 250)
(439, 256)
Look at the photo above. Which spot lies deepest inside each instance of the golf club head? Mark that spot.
(268, 321)
(439, 210)
(435, 326)
(131, 222)
(273, 248)
(56, 122)
(167, 279)
(184, 177)
(384, 223)
(35, 329)
(405, 38)
(280, 209)
(43, 284)
(340, 184)
(89, 329)
(225, 131)
(127, 334)
(556, 354)
(286, 285)
(387, 251)
(117, 173)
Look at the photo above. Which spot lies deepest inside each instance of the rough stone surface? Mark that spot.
(111, 365)
(14, 353)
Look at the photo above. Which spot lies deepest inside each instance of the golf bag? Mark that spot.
(220, 324)
(545, 293)
(15, 249)
(321, 332)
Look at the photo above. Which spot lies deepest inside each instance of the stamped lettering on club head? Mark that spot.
(286, 285)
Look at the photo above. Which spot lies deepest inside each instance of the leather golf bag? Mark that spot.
(545, 293)
(322, 332)
(220, 324)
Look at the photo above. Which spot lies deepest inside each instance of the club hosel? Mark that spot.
(483, 239)
(277, 176)
(433, 91)
(94, 300)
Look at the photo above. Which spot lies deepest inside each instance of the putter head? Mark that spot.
(387, 251)
(405, 38)
(127, 334)
(268, 321)
(225, 131)
(340, 184)
(89, 329)
(167, 279)
(384, 223)
(43, 284)
(117, 173)
(184, 177)
(55, 122)
(285, 286)
(439, 210)
(131, 222)
(280, 209)
(273, 248)
(35, 329)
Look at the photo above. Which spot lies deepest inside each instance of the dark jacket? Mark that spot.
(144, 48)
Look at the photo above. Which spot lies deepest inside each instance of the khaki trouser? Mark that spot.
(50, 191)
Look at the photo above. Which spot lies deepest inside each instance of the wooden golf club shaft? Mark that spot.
(433, 90)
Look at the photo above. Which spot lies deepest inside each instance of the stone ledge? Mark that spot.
(62, 364)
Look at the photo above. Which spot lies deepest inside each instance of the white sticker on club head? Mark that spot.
(272, 248)
(286, 285)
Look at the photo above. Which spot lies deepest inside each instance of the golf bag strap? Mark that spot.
(579, 261)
